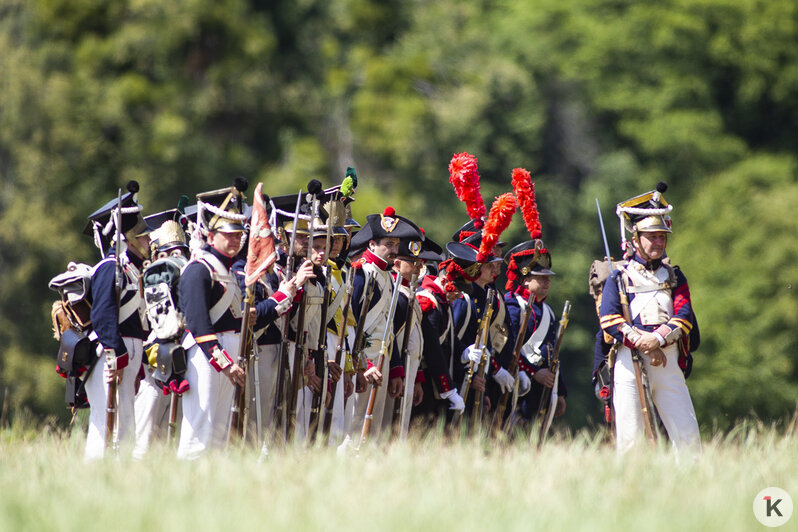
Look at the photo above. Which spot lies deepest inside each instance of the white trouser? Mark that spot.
(268, 358)
(362, 400)
(152, 413)
(207, 404)
(337, 426)
(97, 393)
(407, 398)
(304, 400)
(671, 398)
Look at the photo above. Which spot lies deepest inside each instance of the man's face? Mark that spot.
(228, 244)
(300, 245)
(407, 268)
(652, 245)
(337, 246)
(385, 248)
(489, 272)
(538, 286)
(319, 257)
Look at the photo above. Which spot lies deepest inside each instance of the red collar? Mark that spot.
(522, 291)
(371, 258)
(430, 283)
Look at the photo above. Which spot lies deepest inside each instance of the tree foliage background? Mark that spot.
(597, 98)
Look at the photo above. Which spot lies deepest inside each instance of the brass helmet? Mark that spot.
(646, 213)
(223, 210)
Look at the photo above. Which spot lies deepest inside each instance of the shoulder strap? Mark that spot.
(467, 319)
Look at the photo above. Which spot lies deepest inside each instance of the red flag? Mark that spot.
(261, 252)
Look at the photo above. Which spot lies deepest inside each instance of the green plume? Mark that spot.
(350, 172)
(182, 203)
(347, 187)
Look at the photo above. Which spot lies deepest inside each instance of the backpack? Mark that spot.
(160, 281)
(71, 316)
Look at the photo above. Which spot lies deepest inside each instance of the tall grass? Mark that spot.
(574, 482)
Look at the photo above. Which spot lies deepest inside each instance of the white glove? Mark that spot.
(504, 380)
(472, 354)
(524, 383)
(454, 398)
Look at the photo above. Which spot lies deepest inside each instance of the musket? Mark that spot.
(244, 352)
(548, 404)
(283, 364)
(297, 376)
(501, 407)
(402, 404)
(172, 427)
(479, 396)
(339, 349)
(385, 346)
(111, 404)
(481, 341)
(358, 359)
(641, 378)
(317, 410)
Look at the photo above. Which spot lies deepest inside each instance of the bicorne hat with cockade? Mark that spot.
(426, 249)
(385, 225)
(102, 222)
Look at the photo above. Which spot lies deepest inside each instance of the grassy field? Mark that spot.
(572, 483)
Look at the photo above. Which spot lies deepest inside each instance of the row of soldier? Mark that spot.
(286, 320)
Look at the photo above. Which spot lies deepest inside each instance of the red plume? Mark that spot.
(525, 193)
(463, 175)
(501, 214)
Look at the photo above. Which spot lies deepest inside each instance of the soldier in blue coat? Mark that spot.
(117, 316)
(211, 302)
(529, 279)
(661, 322)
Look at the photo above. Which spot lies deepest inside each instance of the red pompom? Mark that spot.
(525, 194)
(389, 211)
(501, 214)
(464, 177)
(422, 231)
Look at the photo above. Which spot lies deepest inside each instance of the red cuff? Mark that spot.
(495, 365)
(628, 343)
(443, 384)
(397, 371)
(663, 330)
(279, 296)
(215, 364)
(369, 363)
(420, 378)
(122, 360)
(298, 295)
(526, 366)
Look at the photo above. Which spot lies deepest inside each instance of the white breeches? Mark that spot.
(671, 398)
(97, 393)
(361, 404)
(152, 413)
(267, 380)
(206, 406)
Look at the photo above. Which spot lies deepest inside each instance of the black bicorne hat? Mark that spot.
(102, 222)
(385, 225)
(426, 250)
